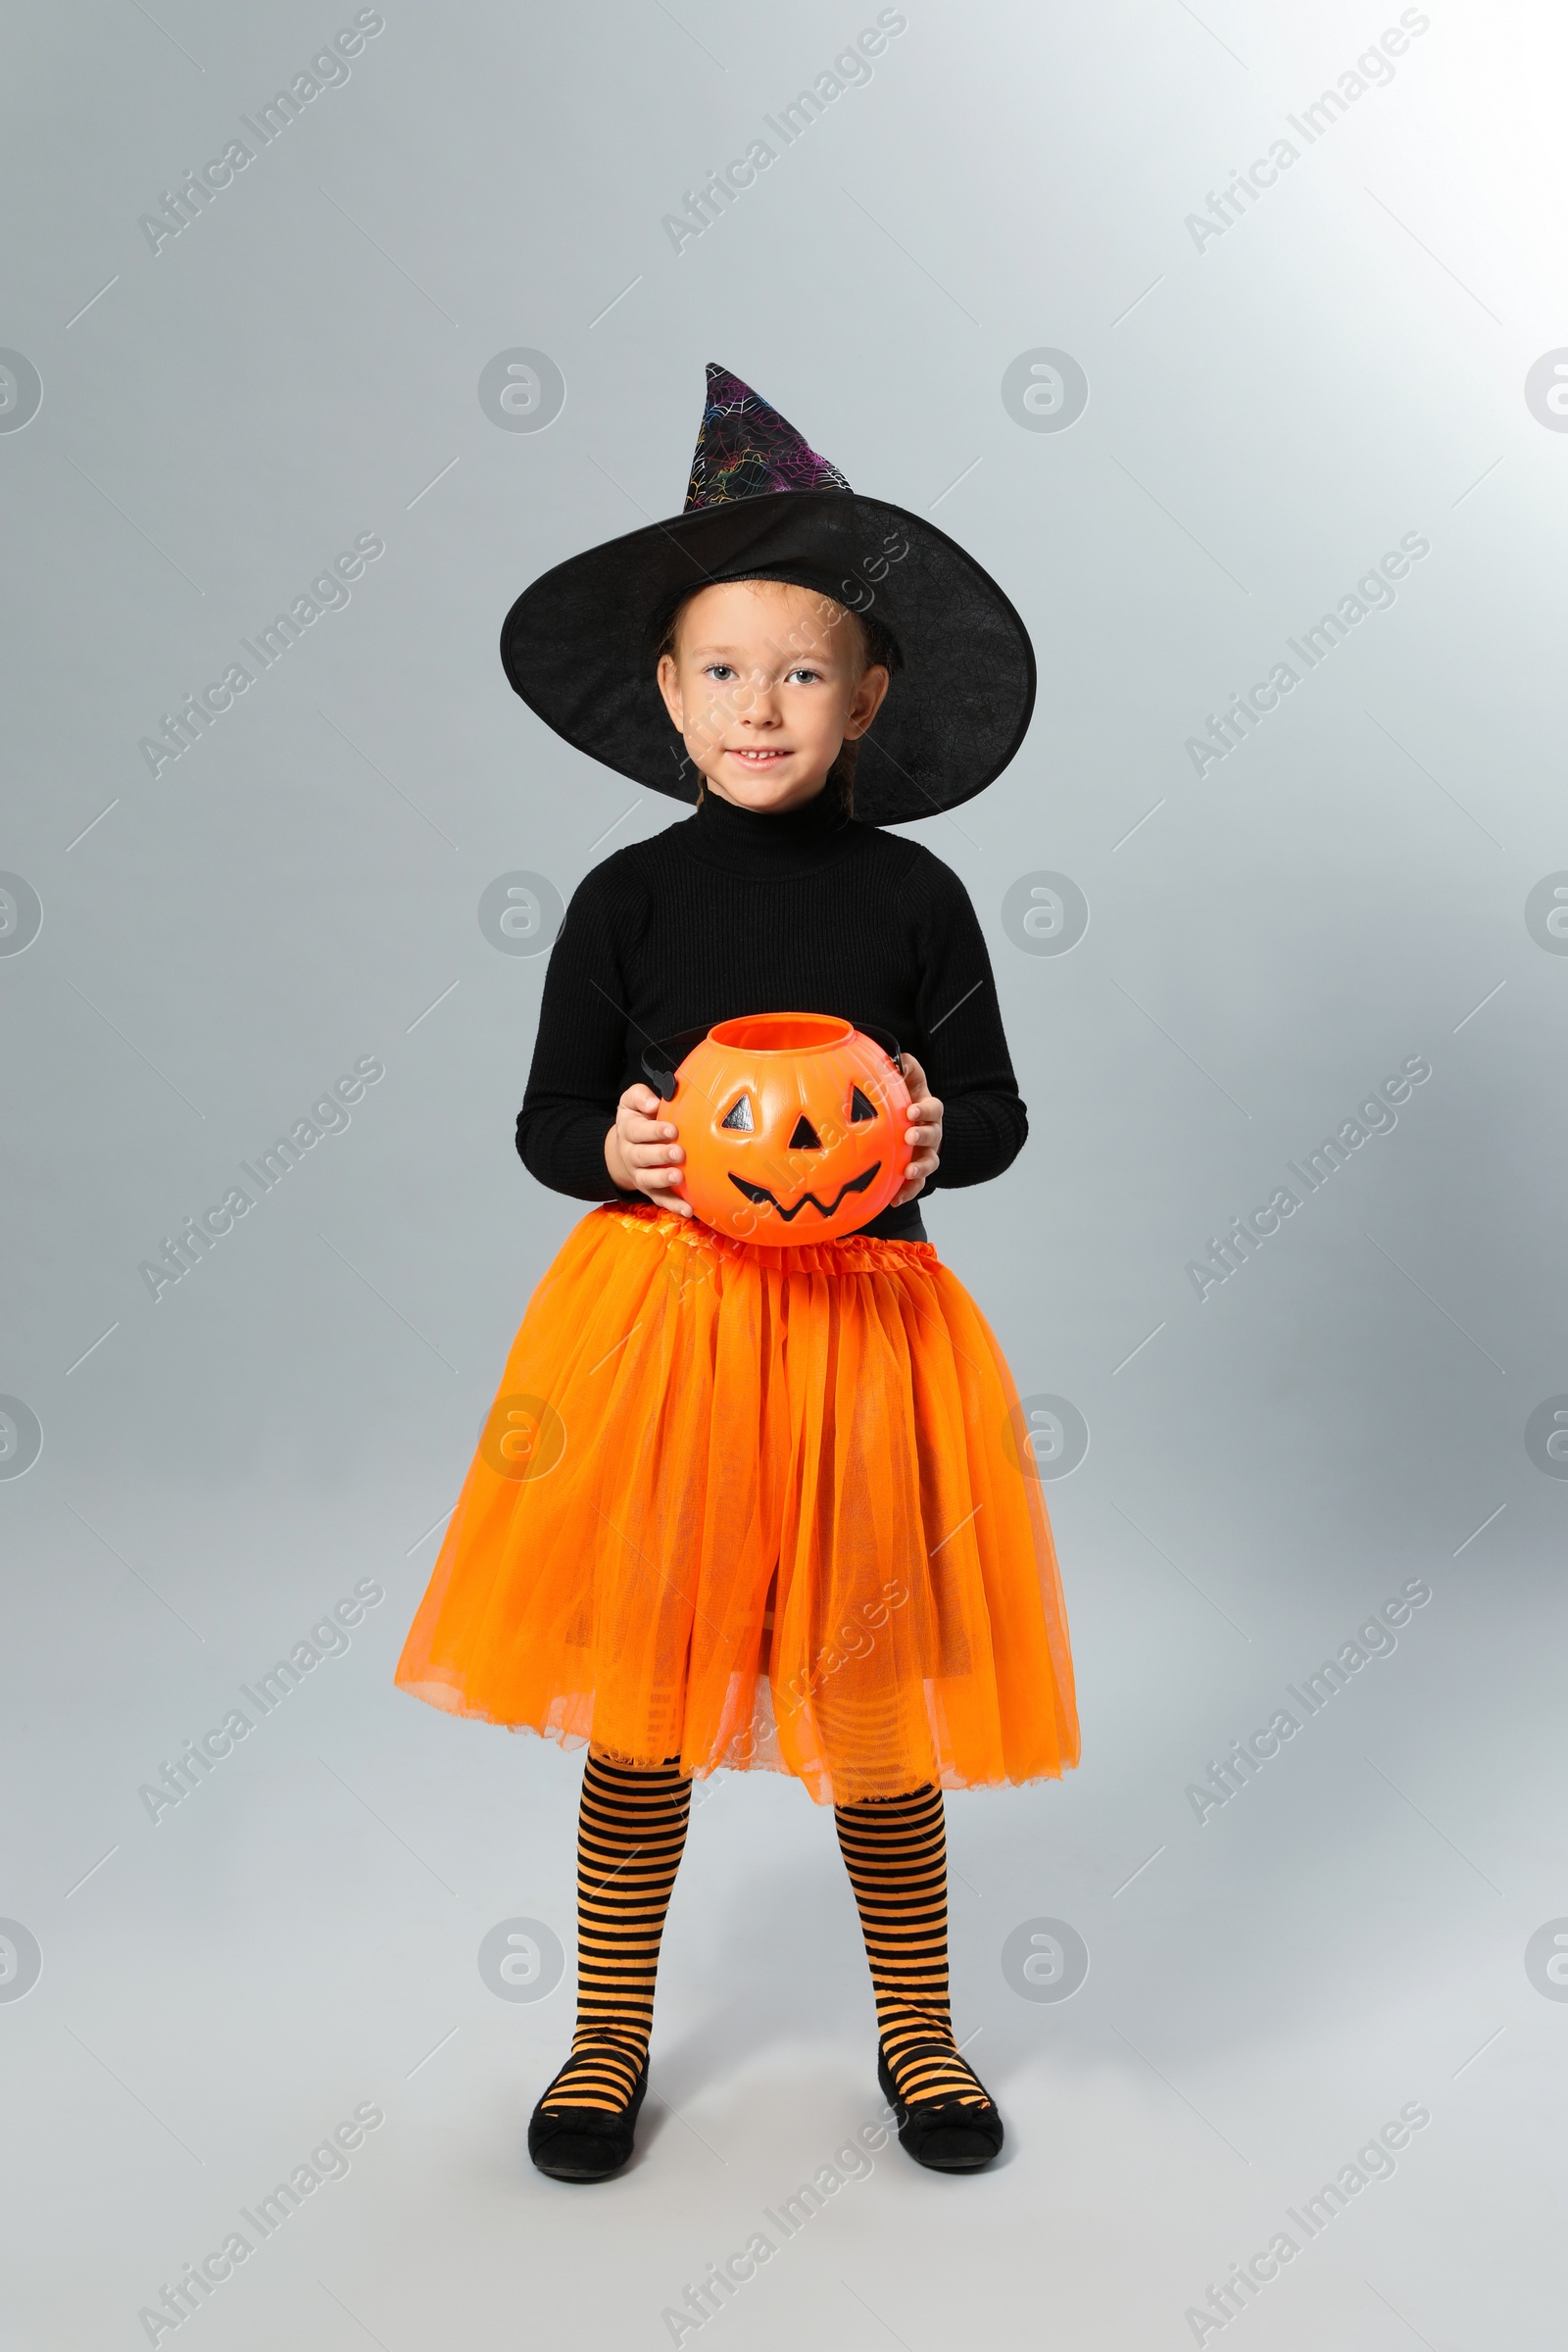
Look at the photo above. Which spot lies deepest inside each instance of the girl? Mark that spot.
(747, 1506)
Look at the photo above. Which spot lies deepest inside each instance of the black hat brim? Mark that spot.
(579, 644)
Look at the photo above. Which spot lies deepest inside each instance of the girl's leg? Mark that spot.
(632, 1830)
(896, 1852)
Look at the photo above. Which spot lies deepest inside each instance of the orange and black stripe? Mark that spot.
(632, 1831)
(894, 1849)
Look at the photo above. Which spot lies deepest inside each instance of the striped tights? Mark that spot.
(631, 1833)
(896, 1851)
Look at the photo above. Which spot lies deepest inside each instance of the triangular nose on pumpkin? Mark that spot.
(805, 1136)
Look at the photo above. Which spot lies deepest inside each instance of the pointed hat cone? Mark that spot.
(747, 449)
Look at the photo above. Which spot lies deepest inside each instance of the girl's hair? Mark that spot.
(875, 648)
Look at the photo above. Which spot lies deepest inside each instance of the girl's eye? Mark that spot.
(812, 676)
(718, 669)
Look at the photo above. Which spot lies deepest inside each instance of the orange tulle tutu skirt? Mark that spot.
(758, 1509)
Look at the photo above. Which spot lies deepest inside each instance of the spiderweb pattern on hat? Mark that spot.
(746, 448)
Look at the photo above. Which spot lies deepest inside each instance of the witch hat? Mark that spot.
(580, 645)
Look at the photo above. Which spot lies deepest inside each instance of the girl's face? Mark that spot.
(765, 685)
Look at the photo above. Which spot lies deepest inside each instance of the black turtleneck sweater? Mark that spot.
(734, 911)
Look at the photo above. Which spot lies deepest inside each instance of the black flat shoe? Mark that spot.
(944, 2134)
(585, 2143)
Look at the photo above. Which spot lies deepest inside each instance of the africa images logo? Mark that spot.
(706, 204)
(1228, 1253)
(328, 69)
(1373, 70)
(1372, 593)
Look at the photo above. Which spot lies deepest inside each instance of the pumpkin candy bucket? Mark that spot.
(793, 1125)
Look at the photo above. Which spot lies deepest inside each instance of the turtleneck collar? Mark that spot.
(752, 840)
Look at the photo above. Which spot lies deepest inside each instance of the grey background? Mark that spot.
(1265, 418)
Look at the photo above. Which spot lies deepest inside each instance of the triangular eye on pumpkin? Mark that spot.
(859, 1107)
(740, 1117)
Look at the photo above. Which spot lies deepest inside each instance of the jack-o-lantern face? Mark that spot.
(792, 1127)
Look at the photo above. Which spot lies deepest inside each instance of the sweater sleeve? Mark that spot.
(964, 1047)
(582, 1051)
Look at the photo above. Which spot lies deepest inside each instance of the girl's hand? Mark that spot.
(641, 1151)
(924, 1132)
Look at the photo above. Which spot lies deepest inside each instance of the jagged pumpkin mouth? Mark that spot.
(758, 1193)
